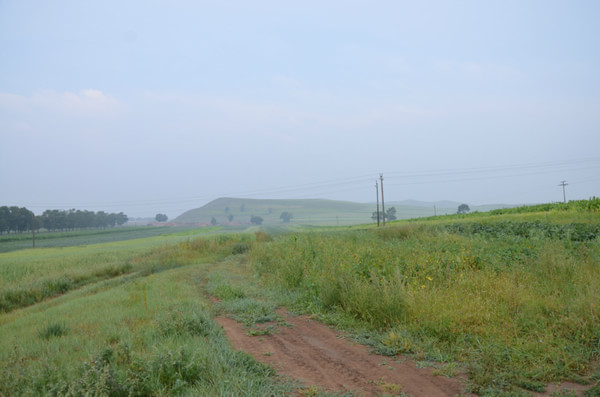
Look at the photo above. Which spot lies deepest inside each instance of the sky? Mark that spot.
(153, 107)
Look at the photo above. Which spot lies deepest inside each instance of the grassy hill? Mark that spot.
(312, 211)
(306, 211)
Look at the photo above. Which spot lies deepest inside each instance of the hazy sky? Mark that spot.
(161, 106)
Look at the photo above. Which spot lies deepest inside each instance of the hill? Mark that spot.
(417, 209)
(312, 211)
(305, 211)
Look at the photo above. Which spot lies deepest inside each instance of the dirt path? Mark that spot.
(318, 356)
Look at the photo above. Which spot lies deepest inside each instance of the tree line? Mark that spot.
(19, 219)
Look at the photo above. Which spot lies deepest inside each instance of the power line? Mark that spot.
(358, 182)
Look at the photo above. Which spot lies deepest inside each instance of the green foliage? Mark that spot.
(184, 320)
(33, 276)
(286, 216)
(534, 229)
(250, 311)
(514, 298)
(222, 289)
(52, 330)
(240, 248)
(256, 220)
(592, 392)
(87, 237)
(463, 209)
(591, 205)
(142, 338)
(390, 214)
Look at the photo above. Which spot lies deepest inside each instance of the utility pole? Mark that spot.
(563, 184)
(33, 229)
(382, 204)
(377, 192)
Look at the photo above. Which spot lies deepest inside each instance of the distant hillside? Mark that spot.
(306, 211)
(312, 211)
(426, 208)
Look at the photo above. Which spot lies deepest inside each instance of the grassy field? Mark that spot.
(12, 242)
(511, 297)
(143, 329)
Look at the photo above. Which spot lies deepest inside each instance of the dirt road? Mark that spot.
(319, 356)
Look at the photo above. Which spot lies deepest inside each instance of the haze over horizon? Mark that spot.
(153, 107)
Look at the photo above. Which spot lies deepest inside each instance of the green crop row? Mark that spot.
(535, 229)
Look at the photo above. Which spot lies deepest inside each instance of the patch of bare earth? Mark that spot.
(317, 355)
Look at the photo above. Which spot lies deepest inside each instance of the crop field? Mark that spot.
(12, 242)
(512, 298)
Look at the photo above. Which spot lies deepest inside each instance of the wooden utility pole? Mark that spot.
(33, 230)
(377, 193)
(382, 204)
(563, 184)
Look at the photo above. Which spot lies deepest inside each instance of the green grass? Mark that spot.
(13, 242)
(30, 276)
(510, 298)
(514, 298)
(145, 336)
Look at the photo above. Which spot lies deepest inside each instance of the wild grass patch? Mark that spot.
(53, 330)
(516, 301)
(150, 336)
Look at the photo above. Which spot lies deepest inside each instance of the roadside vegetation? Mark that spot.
(145, 330)
(511, 298)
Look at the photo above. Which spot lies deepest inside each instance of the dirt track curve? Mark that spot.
(317, 355)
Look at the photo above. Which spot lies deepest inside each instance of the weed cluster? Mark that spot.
(52, 330)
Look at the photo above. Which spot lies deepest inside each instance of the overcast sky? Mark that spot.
(162, 106)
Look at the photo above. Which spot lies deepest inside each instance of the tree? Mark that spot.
(161, 218)
(374, 215)
(256, 220)
(286, 216)
(101, 220)
(122, 218)
(213, 221)
(4, 215)
(463, 209)
(390, 214)
(230, 217)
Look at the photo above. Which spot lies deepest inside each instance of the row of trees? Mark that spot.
(77, 219)
(15, 219)
(20, 219)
